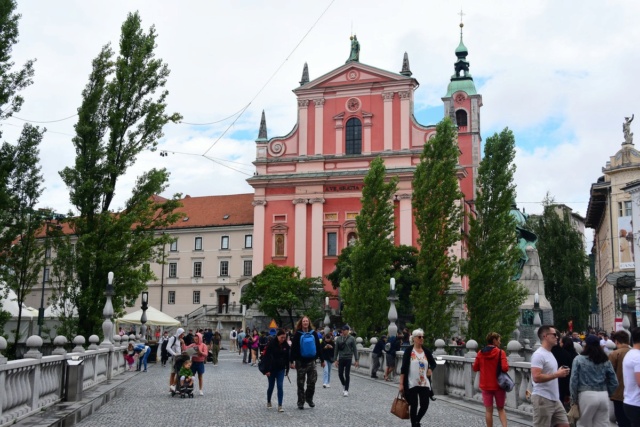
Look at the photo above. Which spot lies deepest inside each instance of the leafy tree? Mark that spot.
(122, 113)
(436, 204)
(282, 289)
(364, 294)
(402, 268)
(494, 297)
(12, 82)
(21, 259)
(564, 264)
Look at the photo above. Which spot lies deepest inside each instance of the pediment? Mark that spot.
(354, 73)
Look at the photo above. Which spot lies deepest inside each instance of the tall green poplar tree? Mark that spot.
(494, 297)
(12, 81)
(21, 261)
(436, 204)
(364, 294)
(564, 264)
(122, 113)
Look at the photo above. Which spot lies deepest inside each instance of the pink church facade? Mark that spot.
(308, 184)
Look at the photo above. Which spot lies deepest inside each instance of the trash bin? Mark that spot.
(74, 379)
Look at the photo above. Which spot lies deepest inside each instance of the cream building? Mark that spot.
(610, 215)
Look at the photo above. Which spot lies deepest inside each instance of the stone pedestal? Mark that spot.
(533, 281)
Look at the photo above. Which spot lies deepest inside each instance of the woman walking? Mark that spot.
(198, 359)
(327, 353)
(345, 349)
(592, 382)
(417, 365)
(277, 362)
(255, 343)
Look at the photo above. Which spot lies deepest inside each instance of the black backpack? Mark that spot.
(163, 347)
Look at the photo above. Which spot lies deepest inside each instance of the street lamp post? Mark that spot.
(327, 319)
(143, 318)
(393, 313)
(107, 313)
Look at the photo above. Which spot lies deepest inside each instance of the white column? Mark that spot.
(258, 235)
(366, 137)
(406, 224)
(339, 126)
(303, 122)
(316, 237)
(405, 120)
(388, 120)
(300, 242)
(319, 125)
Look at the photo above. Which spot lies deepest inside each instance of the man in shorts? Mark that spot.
(545, 398)
(175, 348)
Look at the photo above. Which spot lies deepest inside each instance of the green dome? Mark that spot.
(465, 85)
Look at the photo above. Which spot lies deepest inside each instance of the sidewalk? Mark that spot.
(235, 395)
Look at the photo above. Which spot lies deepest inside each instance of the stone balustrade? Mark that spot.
(459, 379)
(36, 382)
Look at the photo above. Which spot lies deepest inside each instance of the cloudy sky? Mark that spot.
(561, 75)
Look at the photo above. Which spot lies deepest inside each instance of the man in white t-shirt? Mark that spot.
(545, 397)
(233, 339)
(631, 375)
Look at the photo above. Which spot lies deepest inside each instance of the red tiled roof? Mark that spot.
(215, 211)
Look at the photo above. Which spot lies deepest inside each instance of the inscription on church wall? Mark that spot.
(343, 187)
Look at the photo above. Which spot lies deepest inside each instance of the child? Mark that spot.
(128, 356)
(186, 376)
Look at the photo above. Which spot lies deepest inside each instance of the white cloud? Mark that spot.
(534, 63)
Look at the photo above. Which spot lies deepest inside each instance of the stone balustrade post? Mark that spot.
(93, 342)
(60, 341)
(513, 349)
(440, 351)
(438, 377)
(79, 343)
(470, 355)
(34, 343)
(3, 360)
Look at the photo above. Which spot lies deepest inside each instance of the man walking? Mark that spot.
(305, 349)
(376, 355)
(545, 398)
(631, 374)
(233, 339)
(345, 349)
(621, 339)
(174, 348)
(241, 336)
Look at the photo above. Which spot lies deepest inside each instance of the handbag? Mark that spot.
(504, 380)
(574, 413)
(400, 407)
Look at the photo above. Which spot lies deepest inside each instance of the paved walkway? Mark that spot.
(235, 395)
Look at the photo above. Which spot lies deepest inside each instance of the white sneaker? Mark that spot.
(328, 385)
(172, 387)
(201, 393)
(346, 393)
(324, 386)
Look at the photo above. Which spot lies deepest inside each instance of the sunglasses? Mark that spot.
(419, 336)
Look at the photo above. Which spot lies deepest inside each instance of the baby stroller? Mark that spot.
(183, 391)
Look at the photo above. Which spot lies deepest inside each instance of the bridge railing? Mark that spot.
(454, 375)
(36, 382)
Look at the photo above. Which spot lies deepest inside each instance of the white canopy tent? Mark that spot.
(28, 322)
(154, 318)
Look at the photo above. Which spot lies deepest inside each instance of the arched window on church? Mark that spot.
(353, 136)
(461, 118)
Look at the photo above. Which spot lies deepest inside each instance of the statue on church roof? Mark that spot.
(626, 130)
(355, 49)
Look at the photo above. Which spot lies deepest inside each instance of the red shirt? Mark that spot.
(487, 363)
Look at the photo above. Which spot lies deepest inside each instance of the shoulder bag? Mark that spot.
(504, 380)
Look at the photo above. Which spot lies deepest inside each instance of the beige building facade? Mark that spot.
(610, 215)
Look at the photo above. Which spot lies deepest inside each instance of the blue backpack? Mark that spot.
(308, 345)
